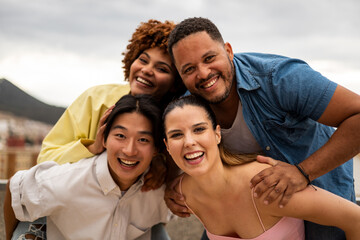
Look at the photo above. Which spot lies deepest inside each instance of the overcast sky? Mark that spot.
(56, 49)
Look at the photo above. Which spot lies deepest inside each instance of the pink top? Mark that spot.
(286, 228)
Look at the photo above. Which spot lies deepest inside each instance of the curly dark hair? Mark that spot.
(151, 34)
(190, 26)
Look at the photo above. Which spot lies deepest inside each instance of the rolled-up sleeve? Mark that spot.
(28, 198)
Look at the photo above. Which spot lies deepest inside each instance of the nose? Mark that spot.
(189, 140)
(130, 148)
(203, 72)
(147, 70)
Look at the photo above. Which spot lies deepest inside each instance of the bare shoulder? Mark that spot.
(184, 185)
(249, 170)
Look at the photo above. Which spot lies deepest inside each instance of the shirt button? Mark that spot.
(267, 148)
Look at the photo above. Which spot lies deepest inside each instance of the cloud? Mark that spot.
(82, 40)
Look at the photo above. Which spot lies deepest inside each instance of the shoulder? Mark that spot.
(265, 63)
(259, 60)
(105, 90)
(98, 96)
(249, 170)
(68, 170)
(52, 173)
(108, 87)
(184, 184)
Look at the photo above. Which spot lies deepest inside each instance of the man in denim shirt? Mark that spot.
(282, 107)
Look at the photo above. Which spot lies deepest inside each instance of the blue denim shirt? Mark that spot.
(282, 100)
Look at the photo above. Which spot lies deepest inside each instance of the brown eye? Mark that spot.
(199, 129)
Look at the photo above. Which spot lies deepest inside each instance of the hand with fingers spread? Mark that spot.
(156, 175)
(97, 146)
(284, 179)
(174, 200)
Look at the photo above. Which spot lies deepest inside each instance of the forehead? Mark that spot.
(194, 46)
(158, 54)
(133, 121)
(186, 115)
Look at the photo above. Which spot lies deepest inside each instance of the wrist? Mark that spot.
(303, 172)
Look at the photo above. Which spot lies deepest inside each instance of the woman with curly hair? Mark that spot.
(148, 68)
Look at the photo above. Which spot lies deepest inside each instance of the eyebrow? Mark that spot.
(124, 128)
(160, 62)
(195, 125)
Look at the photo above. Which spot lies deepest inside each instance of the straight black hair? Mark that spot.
(142, 104)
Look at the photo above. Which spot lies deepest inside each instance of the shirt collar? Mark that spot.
(244, 78)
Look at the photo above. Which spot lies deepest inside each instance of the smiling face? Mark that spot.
(205, 66)
(152, 73)
(130, 148)
(191, 140)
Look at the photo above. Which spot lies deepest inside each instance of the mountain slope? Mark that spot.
(19, 103)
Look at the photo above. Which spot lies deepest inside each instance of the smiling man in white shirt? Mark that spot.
(98, 197)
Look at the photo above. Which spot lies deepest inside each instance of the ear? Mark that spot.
(104, 143)
(218, 134)
(167, 147)
(229, 50)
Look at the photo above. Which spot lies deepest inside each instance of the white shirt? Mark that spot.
(82, 201)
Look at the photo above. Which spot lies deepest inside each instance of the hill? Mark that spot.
(19, 103)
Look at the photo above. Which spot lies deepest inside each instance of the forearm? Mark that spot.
(342, 146)
(72, 151)
(9, 215)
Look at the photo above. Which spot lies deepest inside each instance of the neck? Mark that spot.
(226, 111)
(214, 182)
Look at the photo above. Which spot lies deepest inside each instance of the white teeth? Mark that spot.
(144, 81)
(127, 162)
(209, 84)
(193, 155)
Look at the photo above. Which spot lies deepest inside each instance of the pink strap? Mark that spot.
(180, 186)
(257, 212)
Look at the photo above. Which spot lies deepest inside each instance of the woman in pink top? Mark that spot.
(216, 184)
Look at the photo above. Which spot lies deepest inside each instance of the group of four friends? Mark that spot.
(263, 144)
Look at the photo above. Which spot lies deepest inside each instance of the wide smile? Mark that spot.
(194, 157)
(209, 83)
(127, 163)
(144, 81)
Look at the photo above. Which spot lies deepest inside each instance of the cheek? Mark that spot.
(133, 68)
(174, 150)
(149, 153)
